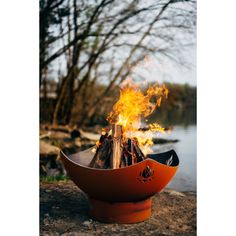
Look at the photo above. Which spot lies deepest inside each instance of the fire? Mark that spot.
(133, 106)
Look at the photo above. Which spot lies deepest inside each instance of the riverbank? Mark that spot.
(63, 211)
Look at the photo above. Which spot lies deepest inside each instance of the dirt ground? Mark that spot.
(63, 211)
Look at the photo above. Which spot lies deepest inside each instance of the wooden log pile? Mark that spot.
(113, 151)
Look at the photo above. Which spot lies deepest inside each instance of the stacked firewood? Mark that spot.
(113, 151)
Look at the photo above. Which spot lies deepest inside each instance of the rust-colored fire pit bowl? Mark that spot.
(121, 195)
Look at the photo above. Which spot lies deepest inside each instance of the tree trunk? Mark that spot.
(63, 109)
(45, 73)
(64, 104)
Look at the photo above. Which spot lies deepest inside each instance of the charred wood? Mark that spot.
(139, 154)
(102, 156)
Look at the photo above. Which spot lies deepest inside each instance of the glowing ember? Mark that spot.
(133, 106)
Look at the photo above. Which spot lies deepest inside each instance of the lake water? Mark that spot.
(185, 178)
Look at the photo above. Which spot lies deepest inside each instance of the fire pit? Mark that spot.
(121, 195)
(120, 174)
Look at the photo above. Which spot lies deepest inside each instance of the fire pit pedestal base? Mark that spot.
(120, 212)
(119, 190)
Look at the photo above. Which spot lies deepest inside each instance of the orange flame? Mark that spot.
(133, 105)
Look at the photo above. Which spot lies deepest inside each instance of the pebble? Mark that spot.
(175, 193)
(87, 223)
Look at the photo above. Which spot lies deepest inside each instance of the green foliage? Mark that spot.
(51, 179)
(56, 143)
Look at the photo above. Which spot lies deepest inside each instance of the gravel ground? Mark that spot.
(63, 211)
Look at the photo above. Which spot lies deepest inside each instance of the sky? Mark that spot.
(167, 71)
(159, 71)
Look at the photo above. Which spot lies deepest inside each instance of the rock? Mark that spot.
(174, 193)
(49, 162)
(59, 135)
(47, 149)
(87, 223)
(53, 172)
(90, 136)
(46, 135)
(78, 142)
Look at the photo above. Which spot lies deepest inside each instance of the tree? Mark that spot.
(51, 14)
(101, 40)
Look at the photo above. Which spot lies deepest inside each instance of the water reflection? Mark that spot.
(185, 178)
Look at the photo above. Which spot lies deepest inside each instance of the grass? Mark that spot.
(51, 179)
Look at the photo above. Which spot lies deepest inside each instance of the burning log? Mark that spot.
(103, 153)
(124, 158)
(139, 154)
(117, 148)
(130, 152)
(113, 152)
